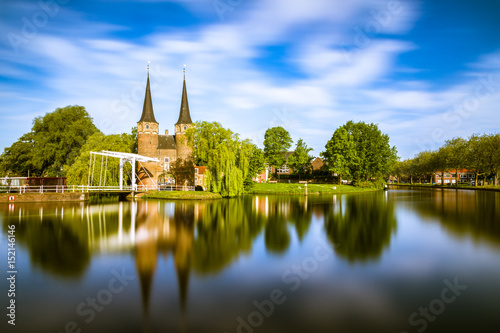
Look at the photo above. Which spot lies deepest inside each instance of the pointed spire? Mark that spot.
(184, 116)
(147, 110)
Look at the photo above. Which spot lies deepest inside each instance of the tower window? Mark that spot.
(185, 127)
(147, 126)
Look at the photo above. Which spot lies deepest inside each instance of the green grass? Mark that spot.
(284, 188)
(184, 195)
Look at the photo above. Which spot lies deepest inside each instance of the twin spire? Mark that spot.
(147, 109)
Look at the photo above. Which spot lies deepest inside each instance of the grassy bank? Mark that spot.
(283, 188)
(181, 195)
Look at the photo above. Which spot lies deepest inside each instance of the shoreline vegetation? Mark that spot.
(182, 195)
(450, 187)
(312, 189)
(264, 188)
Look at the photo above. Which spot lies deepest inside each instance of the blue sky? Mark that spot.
(424, 71)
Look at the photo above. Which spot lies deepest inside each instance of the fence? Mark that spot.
(85, 188)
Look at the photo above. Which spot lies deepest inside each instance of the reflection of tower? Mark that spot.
(156, 233)
(184, 220)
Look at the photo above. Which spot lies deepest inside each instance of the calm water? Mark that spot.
(395, 261)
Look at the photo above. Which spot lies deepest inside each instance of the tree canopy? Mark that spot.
(478, 153)
(54, 141)
(228, 159)
(300, 160)
(277, 141)
(360, 151)
(109, 169)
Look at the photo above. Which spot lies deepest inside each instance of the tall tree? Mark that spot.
(475, 159)
(363, 149)
(454, 150)
(300, 160)
(277, 141)
(250, 160)
(54, 141)
(490, 149)
(217, 148)
(340, 154)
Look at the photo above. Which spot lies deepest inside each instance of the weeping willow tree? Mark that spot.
(106, 170)
(227, 158)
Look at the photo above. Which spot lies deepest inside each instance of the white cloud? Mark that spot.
(227, 84)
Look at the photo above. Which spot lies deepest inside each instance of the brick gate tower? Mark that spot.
(175, 155)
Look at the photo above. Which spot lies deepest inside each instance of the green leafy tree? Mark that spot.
(360, 151)
(18, 158)
(106, 170)
(454, 150)
(217, 148)
(277, 141)
(250, 160)
(53, 142)
(340, 154)
(375, 156)
(491, 152)
(300, 160)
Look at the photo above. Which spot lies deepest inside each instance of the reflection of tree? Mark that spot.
(53, 245)
(224, 230)
(300, 217)
(465, 213)
(276, 234)
(362, 229)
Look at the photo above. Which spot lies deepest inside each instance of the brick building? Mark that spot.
(263, 176)
(175, 156)
(454, 176)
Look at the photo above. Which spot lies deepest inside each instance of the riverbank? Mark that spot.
(182, 195)
(43, 197)
(284, 188)
(446, 187)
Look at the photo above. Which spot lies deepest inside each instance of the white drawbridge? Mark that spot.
(124, 158)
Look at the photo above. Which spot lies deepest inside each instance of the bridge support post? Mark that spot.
(133, 173)
(121, 173)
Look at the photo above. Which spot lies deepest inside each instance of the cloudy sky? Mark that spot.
(424, 71)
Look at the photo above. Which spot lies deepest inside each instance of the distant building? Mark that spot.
(454, 176)
(317, 163)
(263, 176)
(199, 173)
(171, 150)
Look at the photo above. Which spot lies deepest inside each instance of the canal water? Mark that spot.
(394, 261)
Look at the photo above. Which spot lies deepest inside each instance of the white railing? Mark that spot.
(37, 189)
(85, 188)
(164, 188)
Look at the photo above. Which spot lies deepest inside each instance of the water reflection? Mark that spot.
(360, 226)
(463, 213)
(205, 238)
